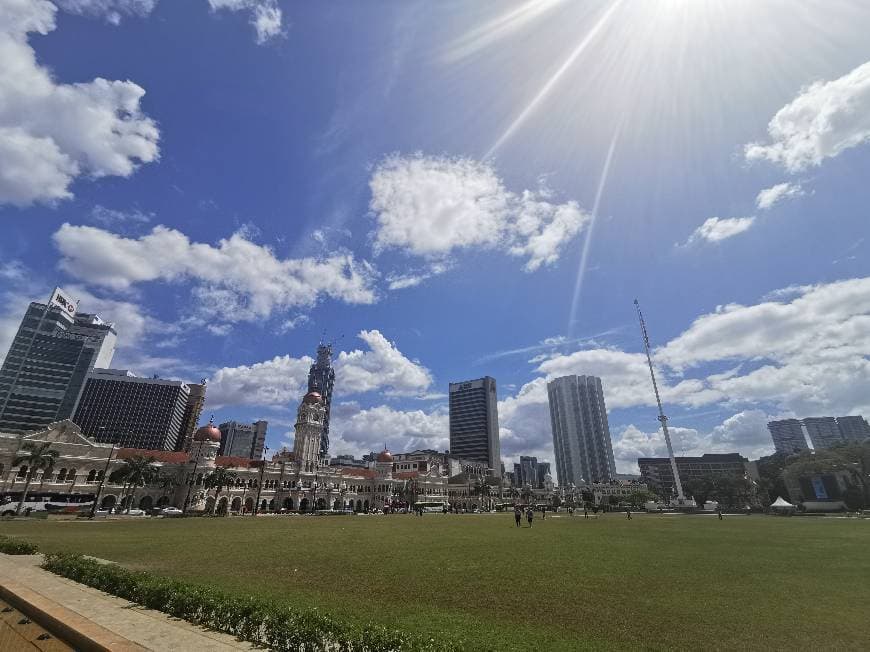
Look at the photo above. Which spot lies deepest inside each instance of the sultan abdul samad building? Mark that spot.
(297, 480)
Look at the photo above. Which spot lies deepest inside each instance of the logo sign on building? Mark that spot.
(819, 488)
(64, 301)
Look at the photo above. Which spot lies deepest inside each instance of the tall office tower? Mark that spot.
(474, 422)
(530, 472)
(321, 378)
(541, 472)
(788, 436)
(192, 412)
(132, 412)
(823, 431)
(854, 428)
(44, 372)
(243, 439)
(581, 434)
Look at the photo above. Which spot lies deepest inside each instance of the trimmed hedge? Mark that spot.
(258, 620)
(16, 547)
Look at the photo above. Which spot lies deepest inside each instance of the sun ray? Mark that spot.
(554, 79)
(584, 256)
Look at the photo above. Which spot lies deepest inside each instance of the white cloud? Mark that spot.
(282, 380)
(52, 133)
(745, 432)
(112, 10)
(109, 217)
(413, 278)
(716, 229)
(237, 280)
(431, 206)
(358, 431)
(770, 196)
(825, 119)
(266, 15)
(382, 366)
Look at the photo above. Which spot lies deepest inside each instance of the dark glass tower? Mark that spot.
(44, 373)
(321, 378)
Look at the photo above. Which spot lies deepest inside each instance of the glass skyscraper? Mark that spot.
(581, 434)
(117, 406)
(44, 372)
(474, 422)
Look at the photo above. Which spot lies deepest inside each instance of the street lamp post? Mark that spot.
(102, 481)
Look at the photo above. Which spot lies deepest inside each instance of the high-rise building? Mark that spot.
(117, 406)
(243, 439)
(474, 422)
(321, 378)
(658, 473)
(788, 436)
(854, 428)
(44, 372)
(581, 434)
(823, 431)
(192, 412)
(530, 472)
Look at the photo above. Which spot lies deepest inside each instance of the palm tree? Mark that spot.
(138, 471)
(37, 457)
(167, 482)
(218, 479)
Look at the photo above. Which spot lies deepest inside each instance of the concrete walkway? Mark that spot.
(124, 620)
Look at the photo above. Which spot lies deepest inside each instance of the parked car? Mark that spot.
(171, 512)
(131, 512)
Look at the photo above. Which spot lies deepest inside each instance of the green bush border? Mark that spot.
(258, 620)
(17, 547)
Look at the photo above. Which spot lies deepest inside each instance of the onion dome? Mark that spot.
(208, 433)
(312, 397)
(385, 456)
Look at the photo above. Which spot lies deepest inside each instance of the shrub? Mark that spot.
(16, 547)
(266, 622)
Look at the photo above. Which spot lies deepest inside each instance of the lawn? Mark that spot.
(655, 582)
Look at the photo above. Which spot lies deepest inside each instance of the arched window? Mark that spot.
(71, 475)
(61, 475)
(199, 480)
(22, 472)
(100, 475)
(91, 475)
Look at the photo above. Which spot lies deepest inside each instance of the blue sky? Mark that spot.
(449, 190)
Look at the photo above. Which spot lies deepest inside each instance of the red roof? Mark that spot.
(167, 457)
(229, 460)
(404, 475)
(350, 470)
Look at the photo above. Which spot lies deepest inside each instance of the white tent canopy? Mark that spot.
(781, 502)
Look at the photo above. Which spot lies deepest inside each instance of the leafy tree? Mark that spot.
(138, 471)
(700, 489)
(37, 457)
(771, 483)
(167, 482)
(219, 479)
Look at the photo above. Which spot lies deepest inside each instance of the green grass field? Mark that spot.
(655, 582)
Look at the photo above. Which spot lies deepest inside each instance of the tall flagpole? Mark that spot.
(662, 418)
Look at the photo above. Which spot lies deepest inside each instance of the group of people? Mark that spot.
(530, 515)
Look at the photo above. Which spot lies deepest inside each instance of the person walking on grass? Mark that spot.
(518, 515)
(530, 515)
(719, 512)
(585, 511)
(628, 513)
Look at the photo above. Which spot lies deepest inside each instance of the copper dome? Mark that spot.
(385, 456)
(207, 433)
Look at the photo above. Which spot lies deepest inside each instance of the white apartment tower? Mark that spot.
(581, 434)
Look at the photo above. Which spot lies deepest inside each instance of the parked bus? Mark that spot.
(45, 501)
